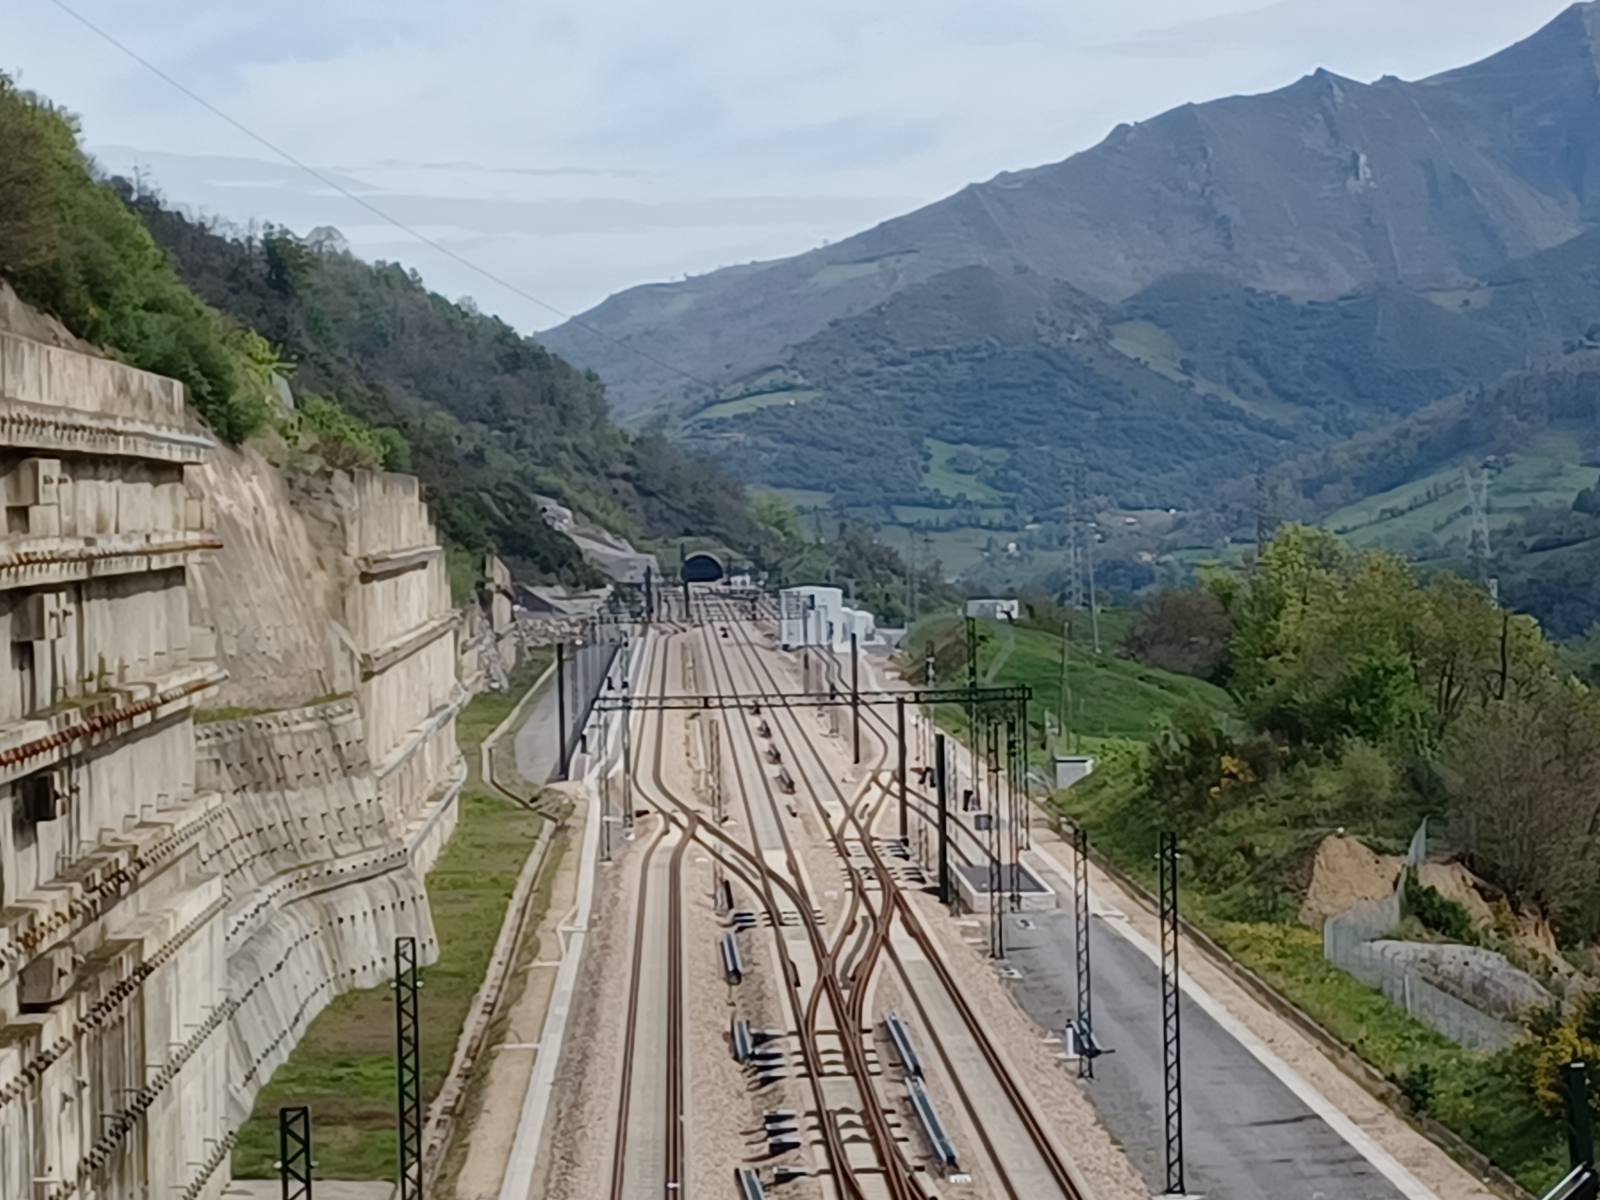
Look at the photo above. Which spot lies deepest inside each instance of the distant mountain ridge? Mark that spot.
(1318, 190)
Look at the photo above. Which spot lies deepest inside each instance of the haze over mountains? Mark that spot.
(1231, 282)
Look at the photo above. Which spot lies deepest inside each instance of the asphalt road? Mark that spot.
(1246, 1135)
(537, 746)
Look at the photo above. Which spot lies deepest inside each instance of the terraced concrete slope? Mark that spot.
(1324, 188)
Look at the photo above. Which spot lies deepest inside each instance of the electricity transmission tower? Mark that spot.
(1478, 532)
(1266, 525)
(1076, 590)
(1080, 553)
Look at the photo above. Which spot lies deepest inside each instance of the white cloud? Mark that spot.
(779, 125)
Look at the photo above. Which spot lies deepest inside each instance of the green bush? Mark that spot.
(344, 442)
(1437, 912)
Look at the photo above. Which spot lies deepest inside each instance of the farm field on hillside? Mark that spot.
(748, 404)
(1438, 505)
(942, 476)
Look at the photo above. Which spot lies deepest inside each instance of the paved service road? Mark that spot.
(1246, 1135)
(537, 742)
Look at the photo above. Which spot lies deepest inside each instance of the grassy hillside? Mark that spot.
(1111, 697)
(1433, 511)
(983, 386)
(1535, 436)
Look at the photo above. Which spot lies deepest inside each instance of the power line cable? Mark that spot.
(367, 204)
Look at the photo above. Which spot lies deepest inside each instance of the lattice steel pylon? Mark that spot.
(1080, 917)
(1479, 548)
(1080, 591)
(1077, 590)
(1266, 525)
(294, 1152)
(997, 876)
(408, 1066)
(1171, 1024)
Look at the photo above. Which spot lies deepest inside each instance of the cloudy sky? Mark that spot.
(577, 147)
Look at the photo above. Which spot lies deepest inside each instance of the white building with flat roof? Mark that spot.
(860, 622)
(1071, 769)
(818, 616)
(810, 616)
(993, 609)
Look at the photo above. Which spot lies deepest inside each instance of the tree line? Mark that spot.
(1368, 697)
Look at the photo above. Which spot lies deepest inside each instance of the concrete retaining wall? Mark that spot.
(113, 984)
(317, 883)
(334, 811)
(179, 899)
(270, 599)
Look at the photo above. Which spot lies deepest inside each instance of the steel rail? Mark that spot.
(836, 1153)
(677, 1115)
(630, 1030)
(849, 1006)
(828, 987)
(1060, 1172)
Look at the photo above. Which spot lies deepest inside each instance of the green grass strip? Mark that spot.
(343, 1068)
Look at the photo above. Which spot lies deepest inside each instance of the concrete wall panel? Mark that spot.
(185, 898)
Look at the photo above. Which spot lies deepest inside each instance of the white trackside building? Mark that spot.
(810, 616)
(818, 616)
(993, 609)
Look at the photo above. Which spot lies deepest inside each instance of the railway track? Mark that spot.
(767, 883)
(827, 991)
(843, 965)
(881, 942)
(674, 1127)
(627, 1164)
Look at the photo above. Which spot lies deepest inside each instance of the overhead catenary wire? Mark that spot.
(332, 183)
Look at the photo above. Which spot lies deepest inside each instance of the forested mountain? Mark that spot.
(1191, 381)
(487, 418)
(382, 372)
(1222, 290)
(1313, 192)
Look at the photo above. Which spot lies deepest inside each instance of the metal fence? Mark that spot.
(1351, 942)
(583, 672)
(1377, 964)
